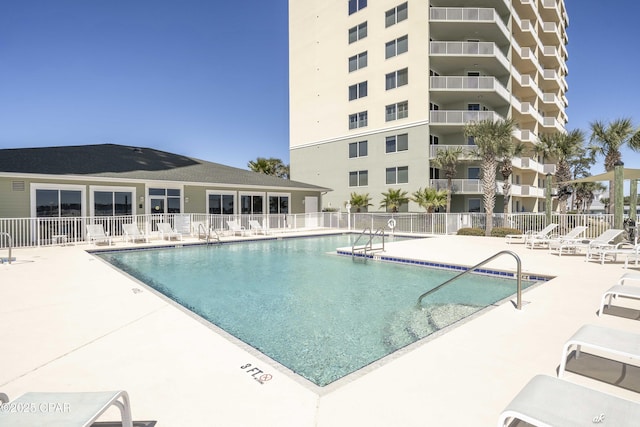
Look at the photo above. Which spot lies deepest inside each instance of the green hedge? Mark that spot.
(503, 231)
(470, 232)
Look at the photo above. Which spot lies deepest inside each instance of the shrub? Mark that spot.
(503, 231)
(471, 232)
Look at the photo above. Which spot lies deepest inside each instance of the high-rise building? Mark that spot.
(377, 88)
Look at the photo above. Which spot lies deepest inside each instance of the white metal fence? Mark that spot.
(33, 232)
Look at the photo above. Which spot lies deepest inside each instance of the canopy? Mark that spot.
(609, 176)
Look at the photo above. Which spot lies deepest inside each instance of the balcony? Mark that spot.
(468, 14)
(468, 151)
(527, 163)
(552, 98)
(552, 122)
(461, 49)
(461, 118)
(463, 186)
(470, 84)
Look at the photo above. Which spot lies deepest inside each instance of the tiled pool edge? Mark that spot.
(445, 266)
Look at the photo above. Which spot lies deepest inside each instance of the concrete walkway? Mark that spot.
(73, 323)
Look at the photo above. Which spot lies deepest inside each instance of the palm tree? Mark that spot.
(270, 166)
(359, 201)
(608, 140)
(506, 169)
(430, 198)
(393, 199)
(564, 147)
(448, 160)
(585, 194)
(492, 139)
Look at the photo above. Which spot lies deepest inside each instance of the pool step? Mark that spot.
(412, 325)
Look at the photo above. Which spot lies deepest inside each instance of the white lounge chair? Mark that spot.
(96, 234)
(64, 409)
(602, 252)
(618, 291)
(616, 342)
(167, 232)
(556, 240)
(629, 277)
(575, 245)
(256, 228)
(236, 228)
(132, 232)
(531, 235)
(546, 401)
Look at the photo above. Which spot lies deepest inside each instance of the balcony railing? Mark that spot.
(468, 151)
(466, 83)
(467, 14)
(468, 49)
(453, 117)
(463, 186)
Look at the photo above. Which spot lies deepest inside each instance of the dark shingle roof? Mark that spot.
(135, 163)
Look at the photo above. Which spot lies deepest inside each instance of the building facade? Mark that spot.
(376, 89)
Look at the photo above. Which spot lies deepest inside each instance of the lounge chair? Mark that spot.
(618, 291)
(604, 251)
(629, 277)
(531, 235)
(64, 409)
(547, 401)
(256, 228)
(556, 240)
(236, 228)
(575, 245)
(616, 342)
(132, 232)
(96, 234)
(167, 232)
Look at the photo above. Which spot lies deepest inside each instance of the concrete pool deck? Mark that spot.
(70, 322)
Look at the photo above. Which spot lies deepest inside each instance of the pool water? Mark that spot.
(319, 314)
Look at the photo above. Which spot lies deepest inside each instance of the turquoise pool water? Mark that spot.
(319, 314)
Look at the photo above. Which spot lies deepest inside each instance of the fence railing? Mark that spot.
(33, 232)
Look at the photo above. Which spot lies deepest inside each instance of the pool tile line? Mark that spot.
(445, 266)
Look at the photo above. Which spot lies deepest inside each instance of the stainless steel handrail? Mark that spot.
(207, 233)
(518, 272)
(10, 240)
(369, 244)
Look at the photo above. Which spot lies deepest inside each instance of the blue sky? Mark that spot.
(208, 79)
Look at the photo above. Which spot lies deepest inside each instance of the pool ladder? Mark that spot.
(207, 234)
(518, 278)
(369, 245)
(10, 240)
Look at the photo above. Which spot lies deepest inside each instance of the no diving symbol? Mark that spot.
(265, 377)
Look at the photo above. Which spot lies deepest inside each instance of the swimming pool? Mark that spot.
(319, 314)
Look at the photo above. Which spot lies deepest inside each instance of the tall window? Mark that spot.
(358, 61)
(395, 15)
(358, 120)
(397, 79)
(112, 203)
(358, 178)
(251, 204)
(397, 143)
(278, 204)
(474, 205)
(399, 175)
(358, 149)
(396, 47)
(221, 204)
(358, 32)
(397, 111)
(473, 173)
(164, 200)
(58, 203)
(356, 5)
(358, 90)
